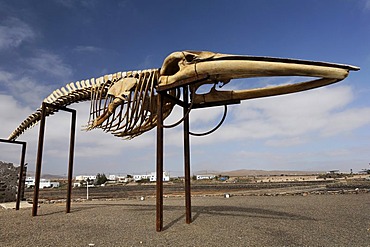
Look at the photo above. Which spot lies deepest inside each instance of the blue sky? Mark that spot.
(46, 44)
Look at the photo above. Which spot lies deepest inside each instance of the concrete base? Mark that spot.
(11, 205)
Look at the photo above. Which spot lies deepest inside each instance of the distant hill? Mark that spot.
(46, 176)
(245, 172)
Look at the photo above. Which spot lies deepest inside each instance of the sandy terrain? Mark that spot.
(312, 220)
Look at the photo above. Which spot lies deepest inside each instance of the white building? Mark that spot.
(85, 177)
(152, 177)
(123, 179)
(205, 177)
(112, 177)
(141, 177)
(44, 183)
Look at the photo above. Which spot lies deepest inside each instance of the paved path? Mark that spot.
(12, 205)
(313, 220)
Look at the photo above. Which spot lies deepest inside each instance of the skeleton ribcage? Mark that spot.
(137, 113)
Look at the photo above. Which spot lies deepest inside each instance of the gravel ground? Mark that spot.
(313, 220)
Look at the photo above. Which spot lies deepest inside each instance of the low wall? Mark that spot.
(9, 182)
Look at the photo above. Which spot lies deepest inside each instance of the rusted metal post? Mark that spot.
(187, 156)
(40, 151)
(20, 181)
(159, 182)
(39, 160)
(70, 163)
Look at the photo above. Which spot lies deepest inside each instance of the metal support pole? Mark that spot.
(20, 181)
(40, 151)
(70, 163)
(159, 182)
(39, 160)
(187, 157)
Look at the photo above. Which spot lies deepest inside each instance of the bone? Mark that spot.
(99, 81)
(92, 82)
(78, 85)
(64, 91)
(83, 85)
(87, 84)
(59, 93)
(52, 98)
(55, 95)
(107, 78)
(70, 89)
(48, 100)
(72, 85)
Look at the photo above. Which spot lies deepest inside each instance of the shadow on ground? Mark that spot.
(227, 210)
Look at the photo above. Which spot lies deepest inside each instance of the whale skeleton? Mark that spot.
(124, 103)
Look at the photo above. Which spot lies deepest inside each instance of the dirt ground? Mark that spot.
(202, 188)
(309, 220)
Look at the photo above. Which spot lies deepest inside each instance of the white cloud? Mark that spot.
(23, 88)
(346, 121)
(282, 121)
(285, 142)
(77, 3)
(147, 63)
(87, 48)
(296, 114)
(26, 81)
(52, 64)
(6, 77)
(13, 32)
(367, 4)
(11, 114)
(66, 3)
(285, 120)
